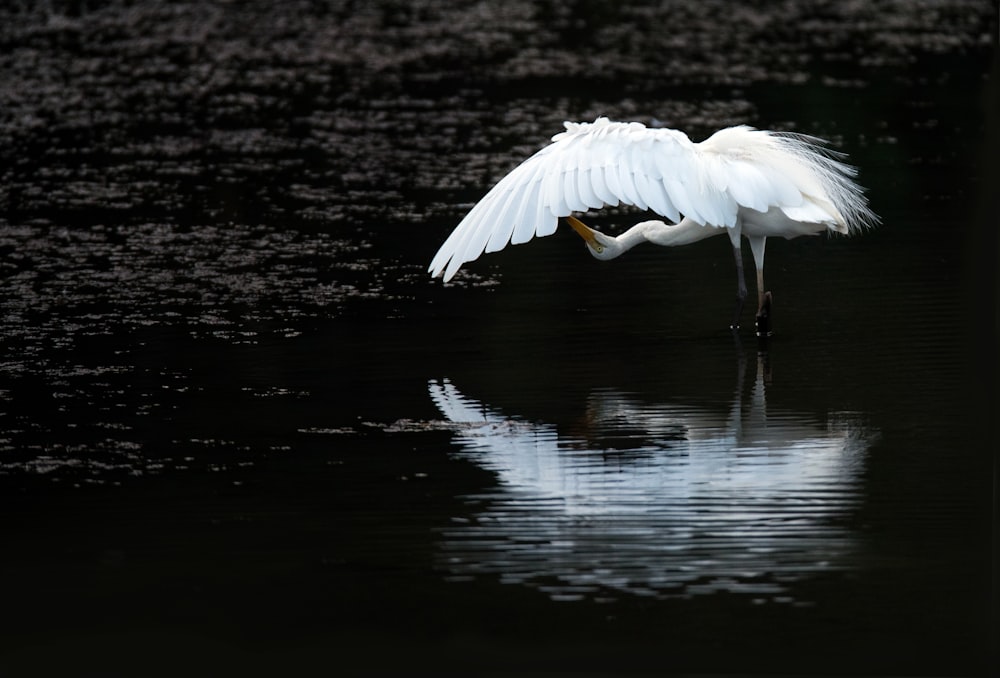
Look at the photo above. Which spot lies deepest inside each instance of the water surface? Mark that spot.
(242, 430)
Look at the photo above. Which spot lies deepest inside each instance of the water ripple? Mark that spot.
(744, 501)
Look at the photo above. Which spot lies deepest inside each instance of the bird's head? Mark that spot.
(600, 245)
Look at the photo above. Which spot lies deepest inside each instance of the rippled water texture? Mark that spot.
(241, 430)
(689, 501)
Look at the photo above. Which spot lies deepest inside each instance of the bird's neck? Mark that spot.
(669, 235)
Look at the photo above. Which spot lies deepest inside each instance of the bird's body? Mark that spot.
(741, 181)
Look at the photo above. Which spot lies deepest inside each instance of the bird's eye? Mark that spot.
(599, 249)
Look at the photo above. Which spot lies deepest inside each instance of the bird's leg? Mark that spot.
(760, 290)
(763, 319)
(763, 322)
(741, 286)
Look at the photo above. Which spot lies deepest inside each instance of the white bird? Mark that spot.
(740, 181)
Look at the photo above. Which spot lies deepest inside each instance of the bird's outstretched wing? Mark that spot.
(604, 163)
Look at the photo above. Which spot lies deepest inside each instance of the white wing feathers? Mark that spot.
(604, 163)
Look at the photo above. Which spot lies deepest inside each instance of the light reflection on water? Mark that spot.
(687, 501)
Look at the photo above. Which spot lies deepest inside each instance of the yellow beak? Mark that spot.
(585, 232)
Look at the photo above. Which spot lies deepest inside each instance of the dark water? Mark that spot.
(242, 432)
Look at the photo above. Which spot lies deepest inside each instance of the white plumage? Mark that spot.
(741, 180)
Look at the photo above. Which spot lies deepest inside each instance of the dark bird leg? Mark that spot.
(764, 299)
(741, 287)
(763, 320)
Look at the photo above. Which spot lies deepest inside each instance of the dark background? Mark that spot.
(218, 453)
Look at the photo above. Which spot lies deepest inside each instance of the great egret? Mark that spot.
(741, 181)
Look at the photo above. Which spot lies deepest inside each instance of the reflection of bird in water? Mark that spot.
(798, 448)
(689, 499)
(739, 181)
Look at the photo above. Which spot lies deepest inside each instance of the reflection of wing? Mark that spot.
(456, 408)
(520, 453)
(799, 451)
(732, 497)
